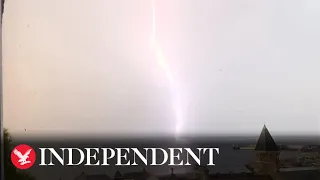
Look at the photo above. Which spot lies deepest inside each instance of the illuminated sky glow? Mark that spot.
(168, 72)
(225, 67)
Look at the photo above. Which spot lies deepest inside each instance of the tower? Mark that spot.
(118, 176)
(200, 172)
(173, 176)
(267, 154)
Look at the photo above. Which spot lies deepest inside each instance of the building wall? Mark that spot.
(267, 162)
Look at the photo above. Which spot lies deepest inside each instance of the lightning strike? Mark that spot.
(166, 68)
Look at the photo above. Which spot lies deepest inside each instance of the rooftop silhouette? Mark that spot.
(266, 142)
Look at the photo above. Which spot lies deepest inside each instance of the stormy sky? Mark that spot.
(75, 66)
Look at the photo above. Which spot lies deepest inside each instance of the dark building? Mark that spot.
(143, 175)
(118, 176)
(267, 154)
(84, 176)
(265, 167)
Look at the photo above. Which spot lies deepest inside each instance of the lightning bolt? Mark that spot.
(166, 68)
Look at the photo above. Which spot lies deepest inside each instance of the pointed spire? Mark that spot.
(172, 176)
(145, 173)
(118, 175)
(265, 141)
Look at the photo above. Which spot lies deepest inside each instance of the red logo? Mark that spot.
(23, 156)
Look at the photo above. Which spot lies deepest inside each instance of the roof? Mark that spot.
(173, 176)
(307, 168)
(266, 142)
(118, 175)
(152, 178)
(93, 177)
(143, 175)
(239, 176)
(98, 177)
(297, 175)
